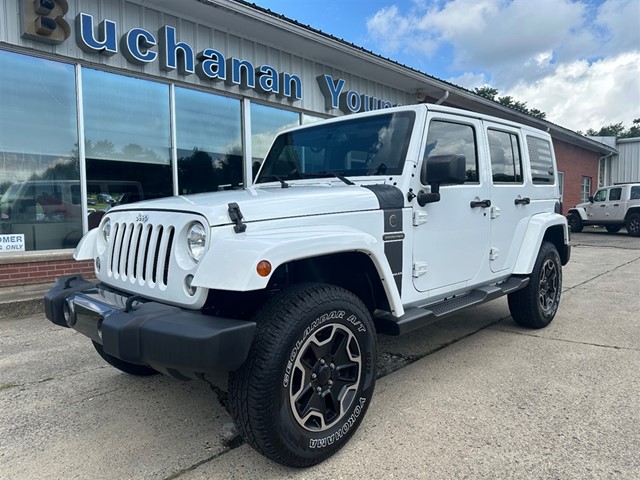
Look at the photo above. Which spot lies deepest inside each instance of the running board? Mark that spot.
(421, 316)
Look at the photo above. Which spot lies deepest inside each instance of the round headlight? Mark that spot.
(106, 230)
(196, 240)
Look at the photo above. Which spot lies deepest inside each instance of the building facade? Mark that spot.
(111, 101)
(623, 167)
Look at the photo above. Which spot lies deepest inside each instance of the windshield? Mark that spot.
(374, 145)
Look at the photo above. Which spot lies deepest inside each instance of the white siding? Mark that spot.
(199, 36)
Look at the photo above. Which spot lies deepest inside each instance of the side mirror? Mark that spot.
(441, 169)
(590, 198)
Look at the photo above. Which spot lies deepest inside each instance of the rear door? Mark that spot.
(510, 201)
(614, 211)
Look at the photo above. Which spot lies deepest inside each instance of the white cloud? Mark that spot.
(620, 20)
(391, 31)
(579, 95)
(576, 60)
(469, 80)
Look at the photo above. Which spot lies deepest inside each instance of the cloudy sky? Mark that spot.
(576, 60)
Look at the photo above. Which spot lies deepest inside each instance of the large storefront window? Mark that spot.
(127, 140)
(209, 142)
(266, 122)
(39, 168)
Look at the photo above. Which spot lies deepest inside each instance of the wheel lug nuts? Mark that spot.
(332, 366)
(319, 390)
(322, 361)
(330, 382)
(314, 376)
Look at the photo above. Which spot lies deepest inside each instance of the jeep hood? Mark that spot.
(266, 203)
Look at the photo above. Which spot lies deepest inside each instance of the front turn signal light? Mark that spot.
(263, 268)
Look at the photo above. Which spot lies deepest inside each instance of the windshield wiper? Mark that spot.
(329, 174)
(276, 177)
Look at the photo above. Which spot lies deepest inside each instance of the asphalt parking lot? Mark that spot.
(474, 396)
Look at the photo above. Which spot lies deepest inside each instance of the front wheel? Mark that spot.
(633, 224)
(309, 377)
(575, 222)
(535, 305)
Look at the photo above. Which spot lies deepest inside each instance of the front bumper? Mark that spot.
(179, 342)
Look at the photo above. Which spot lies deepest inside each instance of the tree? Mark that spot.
(487, 92)
(508, 101)
(616, 130)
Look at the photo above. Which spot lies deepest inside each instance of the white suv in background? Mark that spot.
(612, 207)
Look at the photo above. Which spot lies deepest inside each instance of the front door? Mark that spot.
(451, 236)
(596, 211)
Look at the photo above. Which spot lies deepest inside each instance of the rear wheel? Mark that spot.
(633, 224)
(309, 377)
(535, 305)
(126, 367)
(575, 222)
(613, 228)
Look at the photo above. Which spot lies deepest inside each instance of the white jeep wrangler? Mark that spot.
(381, 222)
(613, 207)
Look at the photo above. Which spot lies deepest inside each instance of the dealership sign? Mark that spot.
(43, 20)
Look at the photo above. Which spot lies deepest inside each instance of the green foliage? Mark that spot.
(617, 130)
(508, 101)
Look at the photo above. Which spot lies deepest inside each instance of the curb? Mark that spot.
(22, 301)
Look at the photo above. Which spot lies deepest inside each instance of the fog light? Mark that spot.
(187, 283)
(97, 264)
(69, 312)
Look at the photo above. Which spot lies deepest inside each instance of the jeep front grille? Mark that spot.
(141, 253)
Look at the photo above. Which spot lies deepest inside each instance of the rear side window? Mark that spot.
(541, 160)
(635, 193)
(446, 138)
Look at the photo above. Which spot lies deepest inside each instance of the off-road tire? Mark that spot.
(309, 377)
(575, 222)
(613, 228)
(535, 305)
(126, 367)
(633, 224)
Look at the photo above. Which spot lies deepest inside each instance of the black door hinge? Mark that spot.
(236, 217)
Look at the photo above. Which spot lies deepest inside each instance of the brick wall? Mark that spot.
(575, 163)
(30, 272)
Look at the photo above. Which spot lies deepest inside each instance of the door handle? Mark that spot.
(522, 201)
(481, 203)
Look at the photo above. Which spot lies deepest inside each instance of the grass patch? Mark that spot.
(7, 386)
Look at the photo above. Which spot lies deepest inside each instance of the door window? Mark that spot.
(600, 196)
(447, 138)
(615, 193)
(506, 162)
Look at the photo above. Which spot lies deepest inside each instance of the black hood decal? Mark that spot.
(388, 196)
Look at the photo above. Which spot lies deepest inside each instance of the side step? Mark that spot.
(421, 316)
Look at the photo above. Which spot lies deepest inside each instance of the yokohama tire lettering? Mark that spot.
(342, 431)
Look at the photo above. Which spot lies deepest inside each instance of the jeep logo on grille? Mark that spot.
(142, 218)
